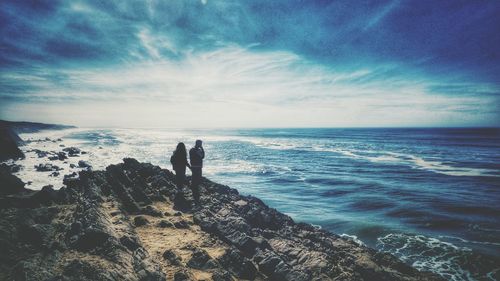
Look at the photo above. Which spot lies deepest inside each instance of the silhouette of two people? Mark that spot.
(179, 164)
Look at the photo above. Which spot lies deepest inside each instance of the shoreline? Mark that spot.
(43, 147)
(129, 213)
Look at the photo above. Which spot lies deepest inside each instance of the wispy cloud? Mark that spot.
(264, 63)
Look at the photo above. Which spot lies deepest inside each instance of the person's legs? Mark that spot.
(180, 177)
(195, 181)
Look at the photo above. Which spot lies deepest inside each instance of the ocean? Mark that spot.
(429, 196)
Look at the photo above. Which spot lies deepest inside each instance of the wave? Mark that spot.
(446, 259)
(375, 156)
(353, 238)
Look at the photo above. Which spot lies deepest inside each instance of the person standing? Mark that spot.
(179, 164)
(196, 155)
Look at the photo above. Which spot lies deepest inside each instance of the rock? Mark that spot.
(9, 142)
(72, 151)
(152, 211)
(46, 196)
(181, 202)
(240, 203)
(61, 156)
(239, 265)
(181, 224)
(221, 275)
(90, 219)
(178, 214)
(47, 167)
(182, 275)
(200, 260)
(130, 243)
(84, 271)
(91, 239)
(165, 223)
(55, 174)
(41, 153)
(268, 263)
(36, 234)
(10, 168)
(172, 257)
(83, 164)
(140, 221)
(10, 184)
(72, 165)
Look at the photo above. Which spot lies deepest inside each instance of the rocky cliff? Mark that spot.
(9, 142)
(131, 222)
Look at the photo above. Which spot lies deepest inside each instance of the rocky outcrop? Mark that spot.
(131, 222)
(9, 142)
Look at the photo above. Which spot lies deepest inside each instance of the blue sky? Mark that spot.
(250, 63)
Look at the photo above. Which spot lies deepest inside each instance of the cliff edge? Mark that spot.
(130, 222)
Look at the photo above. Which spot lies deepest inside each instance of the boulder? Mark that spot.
(183, 275)
(200, 260)
(72, 151)
(140, 221)
(172, 257)
(235, 262)
(165, 223)
(83, 164)
(181, 224)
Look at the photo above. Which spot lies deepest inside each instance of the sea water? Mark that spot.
(429, 196)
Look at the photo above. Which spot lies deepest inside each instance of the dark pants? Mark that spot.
(195, 182)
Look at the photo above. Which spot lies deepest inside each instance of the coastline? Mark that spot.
(131, 222)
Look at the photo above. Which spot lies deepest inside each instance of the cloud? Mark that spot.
(241, 82)
(309, 62)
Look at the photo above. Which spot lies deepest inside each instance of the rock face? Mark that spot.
(102, 226)
(9, 142)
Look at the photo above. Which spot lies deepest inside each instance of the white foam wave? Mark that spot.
(465, 241)
(412, 161)
(353, 238)
(375, 156)
(428, 254)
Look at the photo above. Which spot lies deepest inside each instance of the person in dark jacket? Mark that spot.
(196, 155)
(179, 163)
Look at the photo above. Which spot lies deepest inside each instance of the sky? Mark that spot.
(250, 63)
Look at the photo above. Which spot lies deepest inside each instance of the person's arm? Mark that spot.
(202, 153)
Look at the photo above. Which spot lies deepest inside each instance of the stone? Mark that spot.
(72, 151)
(152, 211)
(182, 275)
(140, 221)
(200, 260)
(47, 167)
(165, 223)
(172, 257)
(221, 275)
(234, 261)
(83, 164)
(181, 224)
(10, 184)
(129, 242)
